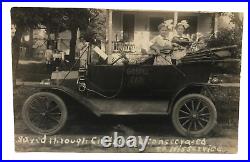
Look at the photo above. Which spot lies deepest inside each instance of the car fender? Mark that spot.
(67, 92)
(187, 89)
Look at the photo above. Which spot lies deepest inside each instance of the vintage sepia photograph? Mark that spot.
(91, 80)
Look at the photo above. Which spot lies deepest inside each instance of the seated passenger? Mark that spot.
(180, 42)
(162, 42)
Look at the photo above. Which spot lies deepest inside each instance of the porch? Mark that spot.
(131, 31)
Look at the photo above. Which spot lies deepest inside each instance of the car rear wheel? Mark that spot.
(194, 115)
(44, 113)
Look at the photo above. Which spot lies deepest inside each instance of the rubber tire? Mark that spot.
(203, 132)
(61, 105)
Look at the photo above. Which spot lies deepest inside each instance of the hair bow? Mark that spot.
(184, 23)
(169, 24)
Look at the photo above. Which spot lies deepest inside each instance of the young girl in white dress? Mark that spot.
(161, 42)
(180, 50)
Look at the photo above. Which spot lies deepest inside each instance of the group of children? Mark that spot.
(169, 38)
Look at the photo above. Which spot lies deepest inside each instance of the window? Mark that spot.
(154, 22)
(128, 27)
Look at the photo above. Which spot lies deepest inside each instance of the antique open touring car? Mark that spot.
(182, 91)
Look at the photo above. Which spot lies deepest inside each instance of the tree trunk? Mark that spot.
(55, 42)
(72, 51)
(29, 45)
(30, 48)
(16, 43)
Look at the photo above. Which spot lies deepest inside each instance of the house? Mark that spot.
(131, 30)
(134, 29)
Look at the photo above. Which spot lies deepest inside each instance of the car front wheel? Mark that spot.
(44, 113)
(194, 115)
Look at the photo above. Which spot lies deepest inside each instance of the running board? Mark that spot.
(130, 106)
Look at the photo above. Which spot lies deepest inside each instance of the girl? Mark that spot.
(180, 41)
(161, 42)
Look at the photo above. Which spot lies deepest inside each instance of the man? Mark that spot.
(83, 51)
(49, 58)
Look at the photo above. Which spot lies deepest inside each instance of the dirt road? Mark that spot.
(79, 136)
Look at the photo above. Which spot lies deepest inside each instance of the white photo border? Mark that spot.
(7, 91)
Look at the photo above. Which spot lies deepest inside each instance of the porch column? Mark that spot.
(109, 32)
(175, 18)
(216, 24)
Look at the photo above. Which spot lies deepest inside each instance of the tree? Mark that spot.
(58, 20)
(54, 19)
(97, 26)
(229, 35)
(74, 18)
(24, 19)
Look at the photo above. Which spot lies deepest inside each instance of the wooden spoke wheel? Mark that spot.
(194, 115)
(44, 113)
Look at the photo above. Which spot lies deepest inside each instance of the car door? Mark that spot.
(152, 80)
(142, 80)
(163, 79)
(105, 78)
